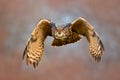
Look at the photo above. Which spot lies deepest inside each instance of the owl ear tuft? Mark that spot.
(66, 26)
(53, 25)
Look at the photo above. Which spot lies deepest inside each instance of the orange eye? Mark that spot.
(56, 29)
(63, 28)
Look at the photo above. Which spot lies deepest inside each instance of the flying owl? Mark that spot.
(63, 35)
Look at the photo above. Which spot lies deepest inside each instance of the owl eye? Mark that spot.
(56, 29)
(65, 29)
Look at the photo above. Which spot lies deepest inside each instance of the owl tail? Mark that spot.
(96, 47)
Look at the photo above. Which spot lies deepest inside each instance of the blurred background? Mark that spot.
(70, 62)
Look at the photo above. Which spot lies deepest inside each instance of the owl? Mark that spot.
(63, 35)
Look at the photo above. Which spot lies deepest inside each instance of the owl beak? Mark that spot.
(60, 35)
(59, 32)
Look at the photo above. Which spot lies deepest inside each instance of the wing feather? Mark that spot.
(35, 46)
(82, 27)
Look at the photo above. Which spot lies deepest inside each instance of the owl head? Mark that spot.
(60, 32)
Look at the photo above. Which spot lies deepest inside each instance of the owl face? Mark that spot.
(60, 32)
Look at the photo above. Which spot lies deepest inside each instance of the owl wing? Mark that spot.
(82, 27)
(35, 46)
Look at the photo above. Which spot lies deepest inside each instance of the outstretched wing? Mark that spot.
(35, 46)
(82, 27)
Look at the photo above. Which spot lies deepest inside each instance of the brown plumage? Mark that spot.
(69, 33)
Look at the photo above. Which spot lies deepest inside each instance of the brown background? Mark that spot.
(70, 62)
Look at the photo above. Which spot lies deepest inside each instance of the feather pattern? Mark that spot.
(70, 33)
(35, 46)
(82, 27)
